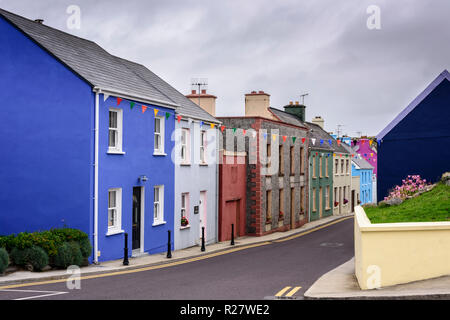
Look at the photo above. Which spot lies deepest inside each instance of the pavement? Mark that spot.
(341, 283)
(179, 256)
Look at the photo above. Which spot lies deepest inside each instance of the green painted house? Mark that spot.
(321, 149)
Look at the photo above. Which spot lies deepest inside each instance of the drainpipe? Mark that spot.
(96, 90)
(217, 186)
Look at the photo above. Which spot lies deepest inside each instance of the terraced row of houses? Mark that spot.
(104, 145)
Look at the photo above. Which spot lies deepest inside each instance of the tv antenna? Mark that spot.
(201, 84)
(339, 130)
(302, 96)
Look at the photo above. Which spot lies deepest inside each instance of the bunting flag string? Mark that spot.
(167, 115)
(156, 111)
(293, 139)
(313, 140)
(119, 100)
(144, 108)
(132, 104)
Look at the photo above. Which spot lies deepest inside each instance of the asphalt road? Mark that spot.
(253, 273)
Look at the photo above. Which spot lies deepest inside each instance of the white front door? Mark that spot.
(202, 209)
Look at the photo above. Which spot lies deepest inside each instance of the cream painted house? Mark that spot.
(342, 181)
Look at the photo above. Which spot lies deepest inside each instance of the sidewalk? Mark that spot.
(341, 283)
(178, 256)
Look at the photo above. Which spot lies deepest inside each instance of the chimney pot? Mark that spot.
(291, 103)
(203, 91)
(193, 91)
(40, 21)
(253, 92)
(261, 91)
(296, 103)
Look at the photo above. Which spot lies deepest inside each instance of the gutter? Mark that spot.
(132, 96)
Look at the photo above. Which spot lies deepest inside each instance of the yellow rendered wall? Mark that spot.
(396, 253)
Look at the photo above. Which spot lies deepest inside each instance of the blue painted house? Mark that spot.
(86, 141)
(417, 141)
(364, 170)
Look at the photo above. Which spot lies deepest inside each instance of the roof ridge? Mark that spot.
(47, 26)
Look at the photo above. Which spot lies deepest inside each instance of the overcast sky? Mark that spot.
(356, 77)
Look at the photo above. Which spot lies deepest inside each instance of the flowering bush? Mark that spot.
(281, 216)
(184, 221)
(410, 185)
(336, 203)
(345, 201)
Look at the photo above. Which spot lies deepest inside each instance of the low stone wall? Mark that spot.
(393, 253)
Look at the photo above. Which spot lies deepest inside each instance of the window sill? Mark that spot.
(185, 227)
(160, 154)
(115, 152)
(114, 232)
(203, 164)
(155, 224)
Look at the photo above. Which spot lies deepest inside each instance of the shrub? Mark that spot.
(69, 253)
(19, 256)
(85, 247)
(37, 257)
(410, 185)
(4, 260)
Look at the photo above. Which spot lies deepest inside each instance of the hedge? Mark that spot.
(4, 260)
(50, 241)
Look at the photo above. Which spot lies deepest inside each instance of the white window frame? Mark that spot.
(203, 144)
(158, 216)
(185, 146)
(117, 226)
(160, 134)
(119, 130)
(327, 197)
(184, 211)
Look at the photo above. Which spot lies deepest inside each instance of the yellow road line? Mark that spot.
(282, 291)
(166, 265)
(137, 269)
(292, 292)
(312, 230)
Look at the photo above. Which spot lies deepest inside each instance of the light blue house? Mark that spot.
(364, 170)
(87, 141)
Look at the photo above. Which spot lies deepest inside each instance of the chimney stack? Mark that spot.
(40, 21)
(296, 109)
(206, 101)
(319, 121)
(257, 104)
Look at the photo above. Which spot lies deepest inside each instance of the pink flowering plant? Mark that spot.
(411, 185)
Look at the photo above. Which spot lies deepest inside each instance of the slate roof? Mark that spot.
(319, 134)
(101, 69)
(360, 162)
(288, 118)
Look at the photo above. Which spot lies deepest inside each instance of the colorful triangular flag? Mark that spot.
(212, 125)
(284, 138)
(178, 118)
(132, 104)
(105, 96)
(119, 100)
(313, 140)
(293, 139)
(156, 111)
(167, 115)
(222, 128)
(144, 108)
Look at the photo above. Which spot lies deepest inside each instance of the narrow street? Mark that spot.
(286, 268)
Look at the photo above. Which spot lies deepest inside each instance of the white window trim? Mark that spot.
(162, 130)
(185, 208)
(160, 218)
(118, 148)
(203, 145)
(187, 145)
(116, 229)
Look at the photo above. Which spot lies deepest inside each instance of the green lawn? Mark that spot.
(433, 205)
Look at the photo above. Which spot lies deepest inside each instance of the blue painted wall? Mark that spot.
(123, 171)
(46, 132)
(365, 183)
(419, 144)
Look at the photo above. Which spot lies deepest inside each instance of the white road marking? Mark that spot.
(47, 293)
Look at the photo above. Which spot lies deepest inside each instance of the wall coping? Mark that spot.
(366, 226)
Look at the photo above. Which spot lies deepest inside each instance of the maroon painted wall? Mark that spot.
(232, 196)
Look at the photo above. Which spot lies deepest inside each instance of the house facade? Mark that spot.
(415, 142)
(275, 143)
(342, 180)
(320, 151)
(98, 152)
(367, 149)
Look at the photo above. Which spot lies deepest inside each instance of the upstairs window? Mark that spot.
(159, 135)
(158, 205)
(115, 130)
(185, 145)
(203, 147)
